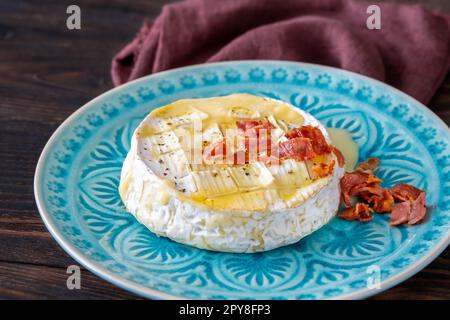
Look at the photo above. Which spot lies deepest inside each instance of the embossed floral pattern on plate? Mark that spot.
(79, 171)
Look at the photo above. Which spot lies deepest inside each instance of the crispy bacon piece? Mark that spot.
(255, 144)
(319, 143)
(299, 149)
(373, 179)
(400, 213)
(405, 192)
(410, 207)
(418, 209)
(339, 156)
(369, 166)
(409, 197)
(410, 212)
(305, 143)
(352, 183)
(294, 133)
(384, 203)
(369, 192)
(249, 149)
(380, 198)
(360, 211)
(348, 182)
(254, 125)
(217, 153)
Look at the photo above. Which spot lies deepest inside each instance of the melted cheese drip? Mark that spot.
(342, 139)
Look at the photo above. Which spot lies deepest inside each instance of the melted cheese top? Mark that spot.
(170, 135)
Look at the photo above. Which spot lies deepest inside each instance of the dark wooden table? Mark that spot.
(46, 73)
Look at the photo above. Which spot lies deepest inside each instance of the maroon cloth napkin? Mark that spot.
(410, 52)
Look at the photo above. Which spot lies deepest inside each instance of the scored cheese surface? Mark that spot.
(175, 193)
(167, 145)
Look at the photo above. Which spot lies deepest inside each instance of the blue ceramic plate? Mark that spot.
(78, 174)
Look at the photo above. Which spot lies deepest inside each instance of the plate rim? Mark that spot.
(156, 294)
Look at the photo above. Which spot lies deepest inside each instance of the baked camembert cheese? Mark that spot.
(238, 173)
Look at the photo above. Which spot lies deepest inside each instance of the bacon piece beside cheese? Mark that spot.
(360, 212)
(400, 213)
(410, 207)
(418, 209)
(383, 203)
(411, 212)
(405, 192)
(412, 197)
(380, 198)
(352, 183)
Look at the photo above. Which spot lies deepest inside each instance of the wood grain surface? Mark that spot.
(46, 73)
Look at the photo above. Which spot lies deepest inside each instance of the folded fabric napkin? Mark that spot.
(411, 51)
